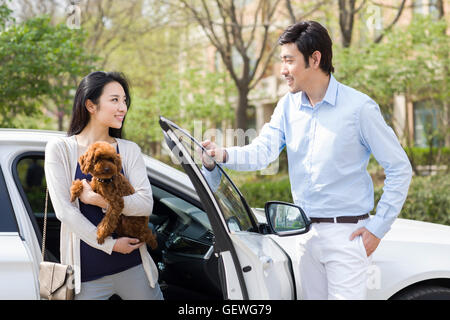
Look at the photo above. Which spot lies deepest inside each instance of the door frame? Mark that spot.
(223, 243)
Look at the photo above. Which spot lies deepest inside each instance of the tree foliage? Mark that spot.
(410, 61)
(234, 28)
(183, 98)
(39, 64)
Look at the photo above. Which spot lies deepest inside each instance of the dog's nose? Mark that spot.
(107, 169)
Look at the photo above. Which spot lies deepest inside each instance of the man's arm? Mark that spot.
(381, 140)
(259, 153)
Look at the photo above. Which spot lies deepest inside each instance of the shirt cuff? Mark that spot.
(233, 159)
(212, 177)
(231, 155)
(109, 245)
(378, 227)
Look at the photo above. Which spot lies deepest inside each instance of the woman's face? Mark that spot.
(111, 108)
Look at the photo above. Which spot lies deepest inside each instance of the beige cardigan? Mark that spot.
(60, 167)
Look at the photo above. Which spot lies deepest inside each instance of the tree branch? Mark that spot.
(290, 11)
(397, 17)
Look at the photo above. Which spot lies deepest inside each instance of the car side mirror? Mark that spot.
(286, 219)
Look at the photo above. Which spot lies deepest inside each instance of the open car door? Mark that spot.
(251, 264)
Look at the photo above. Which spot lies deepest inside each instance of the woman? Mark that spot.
(120, 266)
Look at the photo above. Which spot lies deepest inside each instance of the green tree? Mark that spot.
(411, 61)
(40, 64)
(183, 98)
(244, 36)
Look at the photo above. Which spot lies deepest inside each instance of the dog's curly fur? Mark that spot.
(104, 164)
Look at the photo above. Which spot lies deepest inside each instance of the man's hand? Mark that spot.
(370, 241)
(219, 154)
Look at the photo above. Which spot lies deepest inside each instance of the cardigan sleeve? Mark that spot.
(139, 203)
(59, 181)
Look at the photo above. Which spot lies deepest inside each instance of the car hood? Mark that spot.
(403, 230)
(418, 231)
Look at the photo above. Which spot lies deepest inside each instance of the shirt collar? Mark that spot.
(330, 95)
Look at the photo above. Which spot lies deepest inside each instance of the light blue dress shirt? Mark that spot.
(328, 148)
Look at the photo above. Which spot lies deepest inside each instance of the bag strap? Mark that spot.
(44, 230)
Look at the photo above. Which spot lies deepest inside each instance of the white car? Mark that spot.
(211, 244)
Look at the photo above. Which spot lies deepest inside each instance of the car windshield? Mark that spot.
(232, 204)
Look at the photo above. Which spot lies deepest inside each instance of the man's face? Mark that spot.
(293, 67)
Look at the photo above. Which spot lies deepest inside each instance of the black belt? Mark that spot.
(345, 219)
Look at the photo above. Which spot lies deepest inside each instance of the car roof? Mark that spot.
(167, 174)
(12, 134)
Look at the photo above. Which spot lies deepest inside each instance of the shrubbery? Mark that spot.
(428, 197)
(425, 156)
(258, 192)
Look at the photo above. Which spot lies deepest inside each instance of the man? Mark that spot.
(329, 131)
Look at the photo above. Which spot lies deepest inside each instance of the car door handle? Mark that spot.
(266, 261)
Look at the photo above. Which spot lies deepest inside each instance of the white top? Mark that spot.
(61, 156)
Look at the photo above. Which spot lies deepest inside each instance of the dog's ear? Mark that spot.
(118, 162)
(86, 161)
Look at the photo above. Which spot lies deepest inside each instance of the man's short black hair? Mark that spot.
(310, 36)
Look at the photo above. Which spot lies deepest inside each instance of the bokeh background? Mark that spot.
(214, 64)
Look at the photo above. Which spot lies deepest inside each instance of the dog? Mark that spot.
(104, 164)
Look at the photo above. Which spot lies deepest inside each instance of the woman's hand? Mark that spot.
(88, 196)
(127, 245)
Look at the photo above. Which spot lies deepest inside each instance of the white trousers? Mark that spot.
(331, 266)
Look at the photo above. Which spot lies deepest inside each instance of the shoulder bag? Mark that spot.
(56, 281)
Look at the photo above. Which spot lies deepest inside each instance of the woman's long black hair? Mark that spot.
(91, 87)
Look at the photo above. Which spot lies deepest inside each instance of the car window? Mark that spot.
(230, 200)
(31, 176)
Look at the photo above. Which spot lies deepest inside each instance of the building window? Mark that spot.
(434, 10)
(419, 7)
(427, 126)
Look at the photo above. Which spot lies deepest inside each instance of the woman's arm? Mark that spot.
(141, 202)
(59, 183)
(88, 196)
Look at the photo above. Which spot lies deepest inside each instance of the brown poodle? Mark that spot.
(104, 164)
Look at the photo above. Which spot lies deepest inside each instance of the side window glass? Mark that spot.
(30, 170)
(32, 178)
(227, 195)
